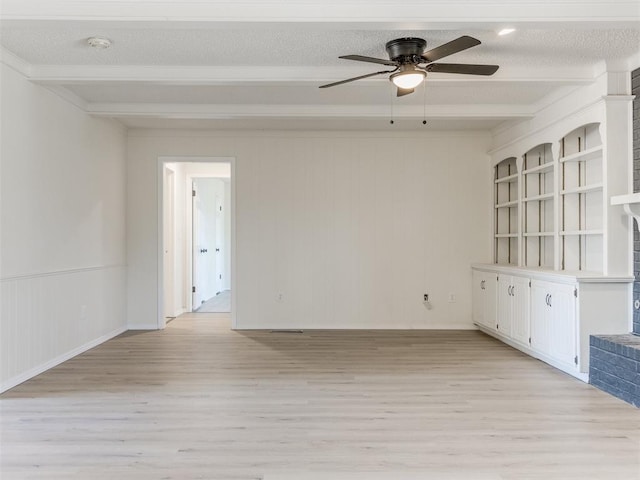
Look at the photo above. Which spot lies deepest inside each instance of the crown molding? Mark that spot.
(414, 12)
(15, 62)
(69, 96)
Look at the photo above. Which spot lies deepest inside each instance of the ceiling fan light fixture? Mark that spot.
(408, 79)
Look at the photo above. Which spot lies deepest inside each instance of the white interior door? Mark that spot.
(207, 196)
(220, 250)
(199, 249)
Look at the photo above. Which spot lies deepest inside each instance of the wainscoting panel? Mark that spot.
(50, 317)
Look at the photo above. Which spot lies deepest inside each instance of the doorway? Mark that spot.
(196, 216)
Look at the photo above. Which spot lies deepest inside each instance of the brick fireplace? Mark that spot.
(615, 359)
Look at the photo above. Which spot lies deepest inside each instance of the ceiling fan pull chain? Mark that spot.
(391, 104)
(424, 103)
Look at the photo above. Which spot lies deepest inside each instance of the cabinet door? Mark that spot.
(540, 318)
(477, 297)
(563, 324)
(520, 309)
(504, 304)
(490, 306)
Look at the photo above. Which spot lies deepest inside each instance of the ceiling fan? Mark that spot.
(407, 55)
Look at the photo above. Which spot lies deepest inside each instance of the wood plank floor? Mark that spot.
(221, 303)
(198, 401)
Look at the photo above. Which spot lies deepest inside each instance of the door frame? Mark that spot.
(169, 260)
(161, 322)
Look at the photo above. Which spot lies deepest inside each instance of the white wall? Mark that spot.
(62, 265)
(351, 228)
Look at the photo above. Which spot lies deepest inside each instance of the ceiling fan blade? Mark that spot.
(361, 58)
(454, 46)
(405, 91)
(355, 78)
(463, 68)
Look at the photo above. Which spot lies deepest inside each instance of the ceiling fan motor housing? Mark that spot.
(406, 50)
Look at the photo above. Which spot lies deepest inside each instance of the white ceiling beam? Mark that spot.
(200, 111)
(207, 75)
(412, 12)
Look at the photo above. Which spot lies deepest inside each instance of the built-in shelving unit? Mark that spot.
(506, 201)
(538, 199)
(581, 197)
(549, 210)
(563, 264)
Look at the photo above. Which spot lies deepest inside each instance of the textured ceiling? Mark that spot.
(64, 43)
(257, 70)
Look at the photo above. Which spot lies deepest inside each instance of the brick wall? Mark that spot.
(635, 90)
(615, 366)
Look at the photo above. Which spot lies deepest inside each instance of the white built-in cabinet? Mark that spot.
(553, 330)
(513, 307)
(549, 315)
(562, 262)
(484, 298)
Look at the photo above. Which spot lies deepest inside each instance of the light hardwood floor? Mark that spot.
(200, 401)
(221, 303)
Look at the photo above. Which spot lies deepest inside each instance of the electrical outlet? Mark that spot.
(452, 298)
(426, 297)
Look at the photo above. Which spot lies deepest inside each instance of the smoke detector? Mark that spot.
(100, 43)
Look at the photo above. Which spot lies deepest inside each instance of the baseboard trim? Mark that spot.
(442, 326)
(143, 326)
(23, 377)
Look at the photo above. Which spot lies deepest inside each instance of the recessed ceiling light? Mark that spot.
(506, 31)
(101, 43)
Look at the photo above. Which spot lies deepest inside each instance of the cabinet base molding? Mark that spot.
(569, 369)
